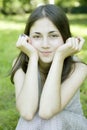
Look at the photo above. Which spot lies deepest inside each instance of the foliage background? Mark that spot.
(22, 6)
(11, 26)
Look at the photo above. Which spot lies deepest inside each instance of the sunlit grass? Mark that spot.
(79, 31)
(11, 25)
(78, 24)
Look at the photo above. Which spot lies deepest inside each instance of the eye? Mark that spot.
(36, 36)
(54, 35)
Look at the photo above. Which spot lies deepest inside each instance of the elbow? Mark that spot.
(27, 116)
(45, 115)
(48, 114)
(25, 113)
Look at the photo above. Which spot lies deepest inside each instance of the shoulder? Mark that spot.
(82, 67)
(19, 73)
(77, 76)
(79, 72)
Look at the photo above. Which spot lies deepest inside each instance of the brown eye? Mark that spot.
(36, 37)
(53, 36)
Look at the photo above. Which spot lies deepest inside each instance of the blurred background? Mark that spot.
(13, 17)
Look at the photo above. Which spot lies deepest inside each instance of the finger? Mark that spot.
(77, 44)
(18, 41)
(81, 42)
(74, 45)
(21, 40)
(68, 41)
(26, 38)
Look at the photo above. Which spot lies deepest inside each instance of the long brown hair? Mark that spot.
(59, 19)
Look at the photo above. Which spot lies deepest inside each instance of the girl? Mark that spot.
(46, 75)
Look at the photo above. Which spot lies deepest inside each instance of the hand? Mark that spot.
(72, 46)
(25, 45)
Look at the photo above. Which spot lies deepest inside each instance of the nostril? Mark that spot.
(45, 47)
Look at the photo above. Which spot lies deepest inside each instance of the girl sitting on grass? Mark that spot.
(46, 75)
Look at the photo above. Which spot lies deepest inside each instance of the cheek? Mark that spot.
(58, 42)
(35, 44)
(56, 45)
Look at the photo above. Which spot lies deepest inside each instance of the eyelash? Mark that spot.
(49, 36)
(54, 35)
(36, 36)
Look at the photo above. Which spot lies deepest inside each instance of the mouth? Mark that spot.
(46, 53)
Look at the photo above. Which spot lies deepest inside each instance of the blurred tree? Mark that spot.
(65, 3)
(73, 6)
(71, 3)
(36, 3)
(21, 6)
(11, 7)
(83, 2)
(15, 6)
(26, 5)
(1, 4)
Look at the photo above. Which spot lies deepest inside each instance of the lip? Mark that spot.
(46, 53)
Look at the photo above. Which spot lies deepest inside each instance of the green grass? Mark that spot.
(10, 28)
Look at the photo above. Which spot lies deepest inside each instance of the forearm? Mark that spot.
(27, 101)
(50, 102)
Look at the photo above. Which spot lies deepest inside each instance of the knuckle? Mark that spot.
(69, 45)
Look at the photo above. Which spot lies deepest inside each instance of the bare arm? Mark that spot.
(50, 102)
(55, 96)
(27, 86)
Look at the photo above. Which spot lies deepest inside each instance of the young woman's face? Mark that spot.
(46, 38)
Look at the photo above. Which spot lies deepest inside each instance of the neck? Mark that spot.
(44, 67)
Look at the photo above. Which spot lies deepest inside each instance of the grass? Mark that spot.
(10, 28)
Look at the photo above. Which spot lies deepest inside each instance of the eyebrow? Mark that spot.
(53, 31)
(48, 32)
(37, 32)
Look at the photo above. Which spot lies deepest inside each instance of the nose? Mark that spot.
(45, 43)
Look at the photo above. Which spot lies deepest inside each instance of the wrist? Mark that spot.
(33, 57)
(59, 56)
(33, 62)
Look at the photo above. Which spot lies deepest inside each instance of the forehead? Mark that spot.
(43, 25)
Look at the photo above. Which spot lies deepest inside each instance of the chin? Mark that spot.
(46, 60)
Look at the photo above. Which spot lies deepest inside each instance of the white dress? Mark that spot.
(71, 118)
